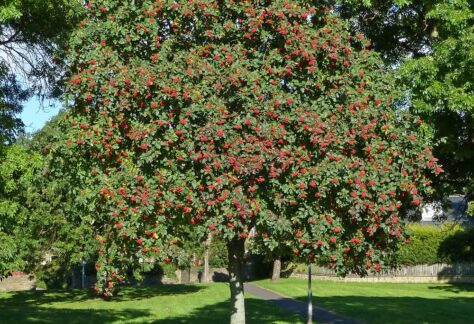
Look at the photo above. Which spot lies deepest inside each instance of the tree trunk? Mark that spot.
(236, 249)
(205, 276)
(276, 269)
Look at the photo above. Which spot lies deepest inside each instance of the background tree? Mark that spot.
(56, 217)
(397, 29)
(38, 217)
(279, 247)
(214, 113)
(430, 43)
(17, 173)
(32, 39)
(11, 97)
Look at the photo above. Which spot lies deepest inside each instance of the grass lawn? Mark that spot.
(204, 303)
(385, 302)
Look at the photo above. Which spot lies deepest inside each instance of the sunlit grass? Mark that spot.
(162, 304)
(386, 302)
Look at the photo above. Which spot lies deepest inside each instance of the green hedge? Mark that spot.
(438, 244)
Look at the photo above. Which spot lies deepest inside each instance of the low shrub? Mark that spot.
(429, 244)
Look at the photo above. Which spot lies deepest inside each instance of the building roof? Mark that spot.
(433, 213)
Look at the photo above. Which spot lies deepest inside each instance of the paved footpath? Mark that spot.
(320, 315)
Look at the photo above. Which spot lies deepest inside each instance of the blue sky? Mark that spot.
(34, 116)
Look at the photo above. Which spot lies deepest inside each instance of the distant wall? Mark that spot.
(426, 273)
(186, 276)
(18, 282)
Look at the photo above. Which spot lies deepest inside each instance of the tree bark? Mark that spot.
(236, 249)
(276, 269)
(205, 276)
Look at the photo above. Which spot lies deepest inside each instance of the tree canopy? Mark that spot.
(214, 115)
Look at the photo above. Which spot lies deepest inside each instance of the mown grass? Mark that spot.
(204, 303)
(386, 302)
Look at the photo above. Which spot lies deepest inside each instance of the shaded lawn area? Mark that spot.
(386, 302)
(204, 303)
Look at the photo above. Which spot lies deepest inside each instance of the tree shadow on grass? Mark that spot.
(454, 287)
(35, 306)
(42, 297)
(257, 311)
(137, 293)
(403, 310)
(71, 316)
(34, 298)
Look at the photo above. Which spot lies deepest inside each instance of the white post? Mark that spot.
(310, 296)
(83, 273)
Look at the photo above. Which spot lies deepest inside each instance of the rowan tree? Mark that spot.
(217, 114)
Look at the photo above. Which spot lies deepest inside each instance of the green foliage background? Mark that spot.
(38, 215)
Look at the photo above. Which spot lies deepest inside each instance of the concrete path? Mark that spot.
(320, 315)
